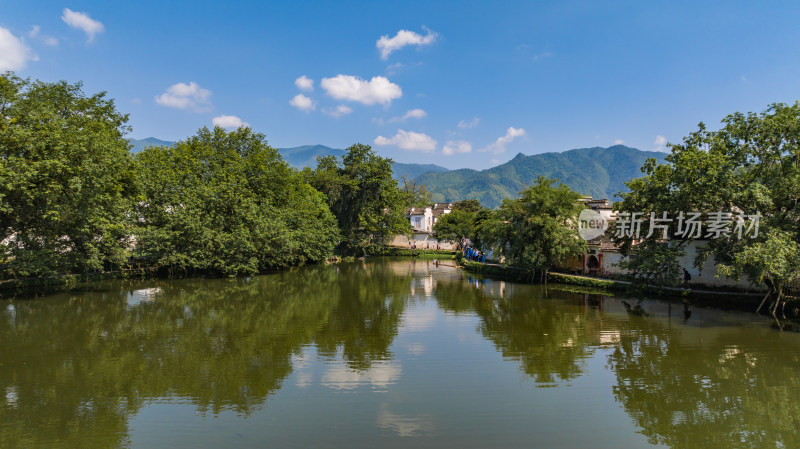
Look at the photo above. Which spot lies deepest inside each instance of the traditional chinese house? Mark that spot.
(422, 220)
(602, 256)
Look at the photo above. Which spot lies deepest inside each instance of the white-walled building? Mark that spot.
(422, 220)
(602, 257)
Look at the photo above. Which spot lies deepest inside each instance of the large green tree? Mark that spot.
(226, 203)
(65, 179)
(414, 194)
(536, 231)
(363, 196)
(459, 224)
(750, 166)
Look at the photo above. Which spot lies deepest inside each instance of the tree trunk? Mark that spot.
(777, 301)
(763, 300)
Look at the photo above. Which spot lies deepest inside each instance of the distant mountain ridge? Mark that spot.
(141, 144)
(598, 172)
(306, 156)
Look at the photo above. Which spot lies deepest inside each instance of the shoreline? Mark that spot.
(42, 285)
(724, 300)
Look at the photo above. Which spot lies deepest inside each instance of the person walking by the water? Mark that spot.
(686, 277)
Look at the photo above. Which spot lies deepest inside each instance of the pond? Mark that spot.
(387, 353)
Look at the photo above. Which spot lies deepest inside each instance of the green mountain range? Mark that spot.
(597, 172)
(306, 156)
(141, 144)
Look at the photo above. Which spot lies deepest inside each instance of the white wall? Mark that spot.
(422, 240)
(706, 275)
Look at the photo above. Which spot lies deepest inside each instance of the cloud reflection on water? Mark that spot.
(404, 425)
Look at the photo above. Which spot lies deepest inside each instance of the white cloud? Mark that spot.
(303, 103)
(186, 96)
(619, 142)
(35, 32)
(14, 54)
(470, 124)
(660, 143)
(540, 56)
(229, 121)
(394, 68)
(82, 21)
(456, 146)
(338, 111)
(304, 83)
(414, 113)
(403, 38)
(408, 140)
(499, 146)
(347, 87)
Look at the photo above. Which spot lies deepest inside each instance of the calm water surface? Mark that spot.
(387, 353)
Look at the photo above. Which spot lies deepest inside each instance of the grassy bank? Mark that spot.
(409, 252)
(36, 286)
(702, 298)
(516, 274)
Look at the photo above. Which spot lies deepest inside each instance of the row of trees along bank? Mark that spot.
(74, 200)
(533, 232)
(750, 165)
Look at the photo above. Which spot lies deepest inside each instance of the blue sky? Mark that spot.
(460, 84)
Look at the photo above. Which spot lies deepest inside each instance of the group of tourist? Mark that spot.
(473, 254)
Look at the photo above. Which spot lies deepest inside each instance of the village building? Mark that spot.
(603, 256)
(422, 220)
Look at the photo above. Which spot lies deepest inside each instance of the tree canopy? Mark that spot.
(414, 194)
(537, 230)
(455, 226)
(363, 196)
(65, 179)
(749, 166)
(227, 203)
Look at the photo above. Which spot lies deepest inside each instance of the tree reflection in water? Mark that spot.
(550, 341)
(684, 385)
(81, 364)
(75, 367)
(688, 388)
